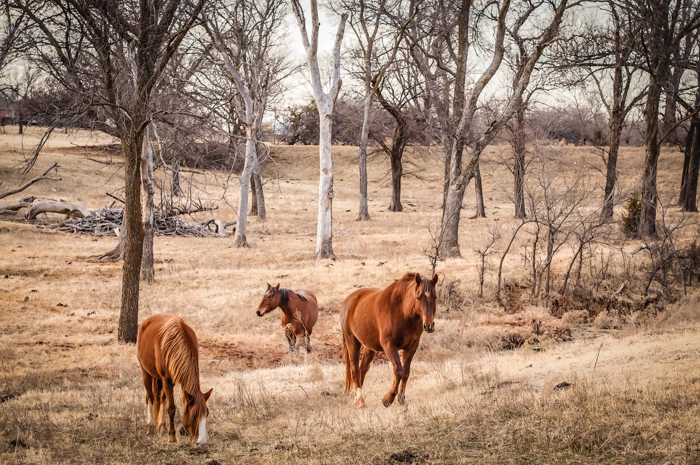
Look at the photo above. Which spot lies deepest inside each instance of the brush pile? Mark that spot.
(108, 222)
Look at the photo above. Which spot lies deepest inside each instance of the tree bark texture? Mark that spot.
(324, 231)
(478, 188)
(611, 166)
(147, 272)
(519, 153)
(253, 197)
(399, 140)
(363, 214)
(240, 240)
(133, 228)
(690, 200)
(650, 196)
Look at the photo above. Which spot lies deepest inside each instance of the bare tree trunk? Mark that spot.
(133, 225)
(690, 204)
(611, 173)
(480, 210)
(396, 174)
(364, 135)
(324, 232)
(240, 240)
(519, 152)
(253, 196)
(175, 188)
(686, 161)
(147, 272)
(647, 223)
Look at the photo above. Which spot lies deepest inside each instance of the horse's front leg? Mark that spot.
(159, 404)
(393, 354)
(406, 357)
(170, 399)
(291, 337)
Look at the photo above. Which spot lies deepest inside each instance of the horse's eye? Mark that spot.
(269, 297)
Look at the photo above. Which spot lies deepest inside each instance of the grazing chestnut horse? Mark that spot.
(299, 313)
(169, 354)
(387, 320)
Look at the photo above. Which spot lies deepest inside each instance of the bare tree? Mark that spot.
(460, 176)
(155, 31)
(325, 102)
(663, 24)
(244, 35)
(378, 53)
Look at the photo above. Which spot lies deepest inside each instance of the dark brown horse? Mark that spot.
(169, 354)
(387, 320)
(299, 313)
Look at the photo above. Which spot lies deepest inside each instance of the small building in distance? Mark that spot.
(8, 114)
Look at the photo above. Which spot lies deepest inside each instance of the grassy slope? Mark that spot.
(79, 396)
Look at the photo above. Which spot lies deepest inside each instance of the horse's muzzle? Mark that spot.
(259, 313)
(429, 328)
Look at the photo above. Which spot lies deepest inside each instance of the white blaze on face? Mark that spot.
(202, 432)
(149, 412)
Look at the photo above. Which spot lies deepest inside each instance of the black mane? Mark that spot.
(285, 296)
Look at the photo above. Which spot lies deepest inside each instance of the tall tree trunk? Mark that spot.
(240, 240)
(611, 173)
(147, 272)
(133, 228)
(253, 196)
(399, 140)
(324, 233)
(175, 189)
(647, 223)
(480, 210)
(364, 135)
(257, 177)
(690, 204)
(686, 160)
(519, 153)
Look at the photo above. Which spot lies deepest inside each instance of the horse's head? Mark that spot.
(425, 300)
(270, 300)
(194, 416)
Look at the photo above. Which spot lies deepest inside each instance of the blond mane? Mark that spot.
(181, 359)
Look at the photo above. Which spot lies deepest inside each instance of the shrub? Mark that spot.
(632, 215)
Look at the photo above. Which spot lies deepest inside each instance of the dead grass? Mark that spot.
(69, 393)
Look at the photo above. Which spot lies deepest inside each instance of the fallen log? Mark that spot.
(70, 209)
(13, 208)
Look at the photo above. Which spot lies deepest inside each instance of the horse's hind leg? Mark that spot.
(168, 384)
(367, 357)
(148, 383)
(393, 354)
(353, 347)
(159, 404)
(307, 336)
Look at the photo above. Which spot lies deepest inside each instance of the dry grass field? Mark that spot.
(69, 393)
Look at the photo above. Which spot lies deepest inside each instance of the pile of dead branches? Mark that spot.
(108, 222)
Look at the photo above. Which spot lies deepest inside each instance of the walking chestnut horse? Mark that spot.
(387, 320)
(169, 354)
(299, 313)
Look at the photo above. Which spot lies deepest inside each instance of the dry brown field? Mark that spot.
(70, 393)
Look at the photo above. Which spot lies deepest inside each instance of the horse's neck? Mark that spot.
(289, 308)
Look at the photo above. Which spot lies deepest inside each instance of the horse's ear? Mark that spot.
(268, 285)
(207, 394)
(277, 288)
(187, 397)
(419, 280)
(434, 280)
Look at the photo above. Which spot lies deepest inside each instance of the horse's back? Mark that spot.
(361, 303)
(310, 306)
(149, 348)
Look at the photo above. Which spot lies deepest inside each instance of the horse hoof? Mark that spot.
(386, 402)
(172, 438)
(150, 429)
(402, 400)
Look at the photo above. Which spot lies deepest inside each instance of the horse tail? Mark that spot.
(346, 360)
